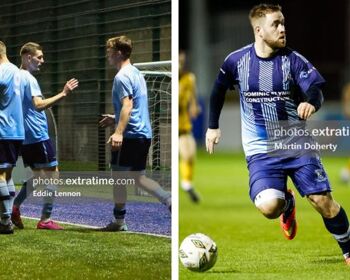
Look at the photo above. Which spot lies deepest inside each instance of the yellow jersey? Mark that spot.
(187, 91)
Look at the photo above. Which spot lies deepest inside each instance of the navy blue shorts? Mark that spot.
(39, 155)
(9, 150)
(132, 156)
(306, 172)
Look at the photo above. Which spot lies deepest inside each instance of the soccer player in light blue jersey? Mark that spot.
(11, 135)
(276, 84)
(131, 139)
(37, 149)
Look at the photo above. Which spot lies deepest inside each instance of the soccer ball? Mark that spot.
(198, 252)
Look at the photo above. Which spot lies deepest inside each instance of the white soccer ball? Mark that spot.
(198, 252)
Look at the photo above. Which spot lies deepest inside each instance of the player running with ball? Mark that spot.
(260, 70)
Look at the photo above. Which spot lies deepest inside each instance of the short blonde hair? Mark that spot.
(2, 48)
(30, 48)
(122, 44)
(261, 10)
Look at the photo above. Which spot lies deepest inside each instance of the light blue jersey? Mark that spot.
(130, 83)
(11, 117)
(35, 122)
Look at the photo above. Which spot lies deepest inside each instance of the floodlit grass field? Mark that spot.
(77, 253)
(249, 245)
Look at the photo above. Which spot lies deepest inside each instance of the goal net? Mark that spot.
(158, 79)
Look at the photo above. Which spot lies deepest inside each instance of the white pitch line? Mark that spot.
(93, 227)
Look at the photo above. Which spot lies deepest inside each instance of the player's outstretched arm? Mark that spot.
(108, 120)
(42, 104)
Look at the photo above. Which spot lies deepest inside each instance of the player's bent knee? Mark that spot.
(142, 180)
(272, 209)
(270, 202)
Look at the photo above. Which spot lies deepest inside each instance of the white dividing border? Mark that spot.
(93, 227)
(175, 139)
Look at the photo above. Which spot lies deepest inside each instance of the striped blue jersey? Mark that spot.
(35, 122)
(11, 116)
(270, 90)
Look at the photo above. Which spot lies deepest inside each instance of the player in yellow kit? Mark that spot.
(188, 109)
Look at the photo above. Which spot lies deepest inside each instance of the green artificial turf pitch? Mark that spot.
(79, 253)
(249, 245)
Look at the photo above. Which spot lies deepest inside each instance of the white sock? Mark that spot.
(186, 185)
